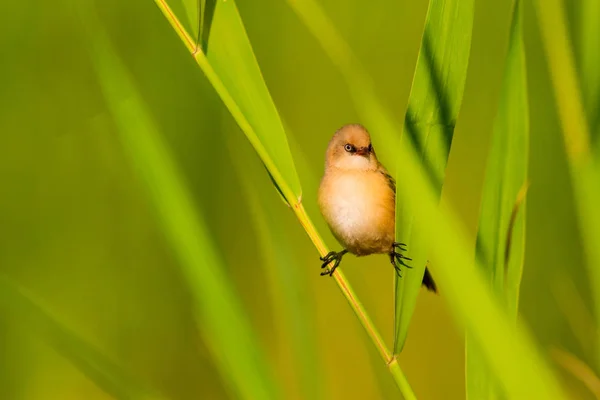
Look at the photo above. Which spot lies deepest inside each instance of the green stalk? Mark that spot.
(359, 310)
(400, 379)
(290, 197)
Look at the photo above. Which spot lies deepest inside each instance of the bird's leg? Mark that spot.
(396, 257)
(332, 256)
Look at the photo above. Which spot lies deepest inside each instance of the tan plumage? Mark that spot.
(357, 199)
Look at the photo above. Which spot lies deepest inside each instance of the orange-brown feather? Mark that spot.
(359, 208)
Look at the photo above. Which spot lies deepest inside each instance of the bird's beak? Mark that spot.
(362, 151)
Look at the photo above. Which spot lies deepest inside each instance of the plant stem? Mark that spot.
(401, 380)
(344, 285)
(296, 205)
(359, 310)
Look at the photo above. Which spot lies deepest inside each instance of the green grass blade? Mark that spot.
(584, 168)
(231, 67)
(433, 107)
(231, 56)
(220, 316)
(508, 349)
(501, 256)
(107, 375)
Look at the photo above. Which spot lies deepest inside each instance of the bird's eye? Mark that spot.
(370, 148)
(349, 148)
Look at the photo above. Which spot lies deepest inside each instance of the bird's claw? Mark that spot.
(328, 257)
(331, 256)
(398, 258)
(399, 246)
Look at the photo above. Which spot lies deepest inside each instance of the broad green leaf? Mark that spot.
(232, 69)
(28, 313)
(502, 214)
(508, 349)
(584, 165)
(231, 55)
(433, 107)
(220, 316)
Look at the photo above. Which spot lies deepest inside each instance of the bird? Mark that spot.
(357, 199)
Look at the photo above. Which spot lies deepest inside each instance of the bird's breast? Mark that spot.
(359, 208)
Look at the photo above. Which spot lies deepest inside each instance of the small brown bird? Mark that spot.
(357, 199)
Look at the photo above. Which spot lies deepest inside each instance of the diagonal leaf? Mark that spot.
(220, 315)
(433, 106)
(108, 376)
(232, 58)
(501, 233)
(232, 69)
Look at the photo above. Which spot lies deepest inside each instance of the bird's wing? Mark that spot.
(390, 180)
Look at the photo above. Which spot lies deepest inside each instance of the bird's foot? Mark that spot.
(332, 256)
(397, 258)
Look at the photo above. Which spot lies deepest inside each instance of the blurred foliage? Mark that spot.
(77, 229)
(500, 245)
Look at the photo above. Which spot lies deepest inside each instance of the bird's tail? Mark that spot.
(428, 281)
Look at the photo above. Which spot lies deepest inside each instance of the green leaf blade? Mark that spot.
(433, 107)
(226, 57)
(501, 233)
(231, 56)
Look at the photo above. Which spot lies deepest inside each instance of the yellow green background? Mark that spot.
(78, 233)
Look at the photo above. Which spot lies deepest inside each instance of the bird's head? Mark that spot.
(351, 149)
